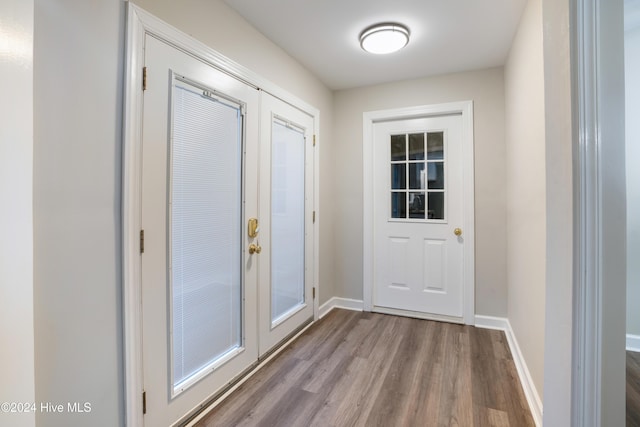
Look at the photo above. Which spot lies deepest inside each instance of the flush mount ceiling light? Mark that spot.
(384, 38)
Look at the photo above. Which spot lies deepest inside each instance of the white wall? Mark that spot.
(220, 27)
(16, 211)
(526, 199)
(613, 234)
(78, 67)
(78, 78)
(559, 214)
(632, 136)
(485, 88)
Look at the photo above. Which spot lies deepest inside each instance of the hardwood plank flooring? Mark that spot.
(633, 389)
(367, 369)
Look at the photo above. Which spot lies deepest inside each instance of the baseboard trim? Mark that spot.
(633, 343)
(530, 392)
(489, 322)
(346, 303)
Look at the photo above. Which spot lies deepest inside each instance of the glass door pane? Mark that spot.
(286, 270)
(415, 169)
(287, 220)
(205, 230)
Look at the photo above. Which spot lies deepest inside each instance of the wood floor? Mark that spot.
(366, 369)
(633, 389)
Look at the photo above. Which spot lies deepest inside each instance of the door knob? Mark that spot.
(255, 249)
(457, 231)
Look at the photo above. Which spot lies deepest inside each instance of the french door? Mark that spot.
(224, 241)
(286, 207)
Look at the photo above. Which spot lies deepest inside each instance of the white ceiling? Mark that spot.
(446, 35)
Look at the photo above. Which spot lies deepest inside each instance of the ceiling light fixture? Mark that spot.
(384, 38)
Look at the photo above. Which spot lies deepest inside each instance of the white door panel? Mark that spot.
(199, 186)
(418, 191)
(286, 205)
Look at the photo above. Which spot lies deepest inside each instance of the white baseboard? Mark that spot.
(633, 342)
(335, 302)
(489, 322)
(530, 392)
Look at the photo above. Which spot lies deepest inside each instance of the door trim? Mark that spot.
(139, 24)
(369, 118)
(597, 311)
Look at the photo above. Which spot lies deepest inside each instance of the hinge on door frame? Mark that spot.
(144, 78)
(141, 241)
(313, 217)
(314, 293)
(314, 140)
(144, 402)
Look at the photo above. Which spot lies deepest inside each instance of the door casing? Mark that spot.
(139, 24)
(465, 108)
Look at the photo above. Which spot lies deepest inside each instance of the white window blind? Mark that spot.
(205, 231)
(287, 219)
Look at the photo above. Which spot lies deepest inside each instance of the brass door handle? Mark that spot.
(457, 231)
(255, 249)
(253, 228)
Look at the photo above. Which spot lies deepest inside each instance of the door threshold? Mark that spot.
(203, 409)
(418, 314)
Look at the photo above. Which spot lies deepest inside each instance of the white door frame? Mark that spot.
(598, 346)
(465, 108)
(139, 24)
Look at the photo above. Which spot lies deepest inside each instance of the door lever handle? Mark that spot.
(253, 228)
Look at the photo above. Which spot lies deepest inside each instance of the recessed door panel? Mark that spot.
(434, 265)
(399, 248)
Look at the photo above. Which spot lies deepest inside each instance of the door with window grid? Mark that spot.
(418, 239)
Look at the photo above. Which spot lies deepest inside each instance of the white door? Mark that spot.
(199, 188)
(286, 215)
(418, 213)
